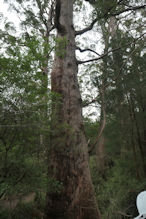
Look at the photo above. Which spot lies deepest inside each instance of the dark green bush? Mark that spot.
(117, 191)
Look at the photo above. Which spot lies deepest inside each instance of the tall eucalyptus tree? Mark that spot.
(68, 153)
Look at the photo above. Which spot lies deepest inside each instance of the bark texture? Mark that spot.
(68, 155)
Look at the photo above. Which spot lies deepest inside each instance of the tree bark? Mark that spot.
(68, 154)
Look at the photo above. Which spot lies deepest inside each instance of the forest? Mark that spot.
(72, 109)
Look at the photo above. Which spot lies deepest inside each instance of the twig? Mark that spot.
(124, 214)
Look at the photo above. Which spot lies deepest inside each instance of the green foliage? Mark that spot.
(24, 211)
(24, 103)
(123, 175)
(118, 189)
(25, 110)
(103, 8)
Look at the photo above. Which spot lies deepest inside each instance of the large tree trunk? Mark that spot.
(68, 155)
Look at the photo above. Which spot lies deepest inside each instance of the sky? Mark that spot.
(7, 14)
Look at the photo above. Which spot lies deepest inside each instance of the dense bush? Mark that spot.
(118, 189)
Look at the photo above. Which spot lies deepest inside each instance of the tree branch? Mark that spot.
(85, 104)
(85, 50)
(94, 21)
(105, 54)
(45, 22)
(120, 1)
(96, 59)
(86, 28)
(129, 9)
(108, 15)
(124, 214)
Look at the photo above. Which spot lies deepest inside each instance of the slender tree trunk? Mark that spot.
(138, 136)
(68, 155)
(133, 143)
(101, 155)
